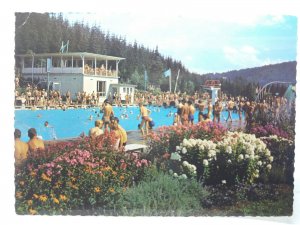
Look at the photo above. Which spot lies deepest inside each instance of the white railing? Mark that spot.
(70, 70)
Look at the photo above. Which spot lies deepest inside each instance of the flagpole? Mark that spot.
(170, 81)
(176, 81)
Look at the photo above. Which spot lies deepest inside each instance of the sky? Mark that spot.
(204, 42)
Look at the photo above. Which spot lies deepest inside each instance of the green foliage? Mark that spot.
(160, 194)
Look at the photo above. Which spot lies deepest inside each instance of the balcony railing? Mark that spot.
(87, 71)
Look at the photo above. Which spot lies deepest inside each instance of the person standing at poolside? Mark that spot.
(218, 107)
(144, 113)
(185, 113)
(21, 149)
(230, 106)
(201, 115)
(35, 144)
(209, 110)
(107, 113)
(191, 112)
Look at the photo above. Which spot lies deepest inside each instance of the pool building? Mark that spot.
(76, 72)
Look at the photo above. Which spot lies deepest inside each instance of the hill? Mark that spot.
(285, 71)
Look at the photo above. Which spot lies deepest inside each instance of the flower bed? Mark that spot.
(163, 142)
(80, 179)
(238, 158)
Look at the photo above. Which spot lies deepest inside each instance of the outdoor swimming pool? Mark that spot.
(72, 122)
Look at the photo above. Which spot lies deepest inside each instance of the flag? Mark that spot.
(167, 73)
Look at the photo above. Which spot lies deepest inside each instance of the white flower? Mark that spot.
(269, 166)
(241, 156)
(184, 150)
(229, 149)
(185, 163)
(246, 156)
(271, 158)
(175, 175)
(223, 181)
(205, 162)
(229, 161)
(259, 163)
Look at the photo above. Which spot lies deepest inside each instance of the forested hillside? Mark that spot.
(44, 33)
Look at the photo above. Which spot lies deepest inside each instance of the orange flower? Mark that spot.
(111, 190)
(55, 200)
(122, 178)
(35, 196)
(33, 174)
(45, 177)
(114, 173)
(29, 202)
(63, 197)
(32, 211)
(43, 198)
(19, 194)
(97, 189)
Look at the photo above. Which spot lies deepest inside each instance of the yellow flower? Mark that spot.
(63, 197)
(121, 178)
(97, 189)
(45, 177)
(111, 190)
(43, 198)
(29, 202)
(73, 179)
(33, 174)
(55, 200)
(35, 196)
(19, 194)
(32, 211)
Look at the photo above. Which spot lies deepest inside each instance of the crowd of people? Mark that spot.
(249, 113)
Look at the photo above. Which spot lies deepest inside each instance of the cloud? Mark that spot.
(245, 56)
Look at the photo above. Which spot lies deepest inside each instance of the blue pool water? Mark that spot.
(72, 122)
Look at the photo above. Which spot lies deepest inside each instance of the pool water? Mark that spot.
(72, 122)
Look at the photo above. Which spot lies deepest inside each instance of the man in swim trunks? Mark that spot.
(107, 113)
(21, 149)
(217, 110)
(201, 115)
(191, 112)
(144, 113)
(230, 106)
(35, 144)
(185, 113)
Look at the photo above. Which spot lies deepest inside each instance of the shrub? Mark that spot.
(163, 195)
(163, 142)
(238, 158)
(268, 130)
(283, 153)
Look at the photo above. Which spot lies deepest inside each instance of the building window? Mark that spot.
(130, 90)
(101, 87)
(124, 90)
